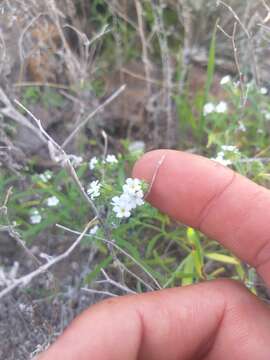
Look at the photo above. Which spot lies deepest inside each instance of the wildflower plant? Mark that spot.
(115, 201)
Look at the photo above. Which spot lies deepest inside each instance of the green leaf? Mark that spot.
(184, 111)
(210, 76)
(211, 64)
(188, 269)
(152, 244)
(197, 252)
(223, 258)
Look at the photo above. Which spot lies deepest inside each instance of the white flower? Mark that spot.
(264, 91)
(122, 206)
(221, 160)
(222, 107)
(208, 108)
(266, 114)
(242, 127)
(132, 186)
(225, 80)
(136, 199)
(35, 217)
(131, 198)
(94, 230)
(94, 189)
(111, 159)
(93, 162)
(46, 176)
(52, 201)
(122, 212)
(43, 178)
(123, 199)
(230, 148)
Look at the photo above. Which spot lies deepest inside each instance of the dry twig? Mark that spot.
(26, 279)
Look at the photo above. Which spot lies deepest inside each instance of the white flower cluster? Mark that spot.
(94, 230)
(242, 126)
(222, 156)
(225, 80)
(130, 199)
(52, 201)
(221, 159)
(266, 114)
(230, 148)
(263, 91)
(110, 159)
(94, 189)
(93, 162)
(46, 176)
(35, 217)
(210, 108)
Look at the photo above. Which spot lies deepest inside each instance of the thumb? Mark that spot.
(215, 320)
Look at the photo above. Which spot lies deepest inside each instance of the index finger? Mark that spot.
(212, 198)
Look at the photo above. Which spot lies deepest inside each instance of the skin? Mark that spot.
(210, 321)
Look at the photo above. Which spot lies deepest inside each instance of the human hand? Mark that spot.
(214, 320)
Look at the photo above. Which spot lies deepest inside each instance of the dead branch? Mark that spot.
(26, 279)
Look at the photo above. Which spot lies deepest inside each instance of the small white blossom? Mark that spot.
(263, 91)
(225, 80)
(121, 206)
(93, 162)
(35, 217)
(94, 230)
(94, 189)
(136, 199)
(122, 200)
(266, 114)
(222, 107)
(208, 108)
(230, 148)
(52, 201)
(132, 186)
(46, 176)
(122, 212)
(111, 159)
(43, 178)
(221, 159)
(242, 127)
